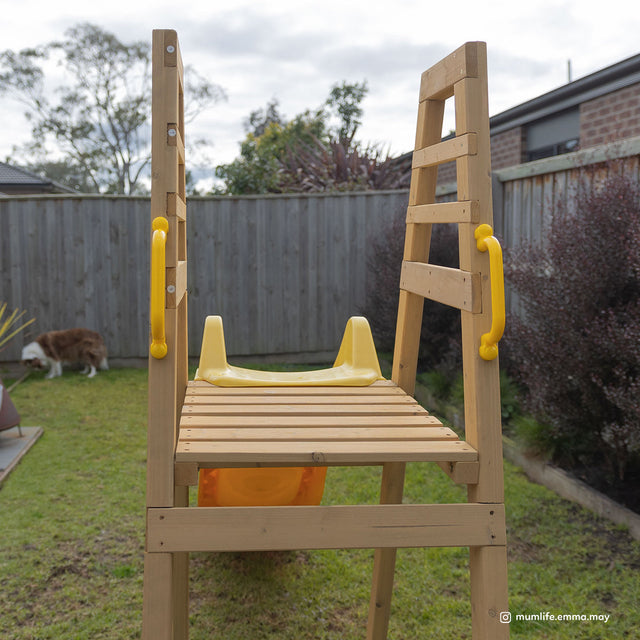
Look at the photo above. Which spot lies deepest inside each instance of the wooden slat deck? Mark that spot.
(271, 426)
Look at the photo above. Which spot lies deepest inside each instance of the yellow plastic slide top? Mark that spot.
(356, 365)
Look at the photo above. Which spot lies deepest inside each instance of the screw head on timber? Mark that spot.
(172, 132)
(170, 49)
(171, 289)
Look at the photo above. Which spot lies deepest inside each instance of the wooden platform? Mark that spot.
(305, 426)
(14, 446)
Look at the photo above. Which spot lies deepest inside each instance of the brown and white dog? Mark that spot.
(70, 346)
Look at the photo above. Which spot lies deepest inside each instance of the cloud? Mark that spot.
(243, 40)
(238, 35)
(504, 64)
(384, 60)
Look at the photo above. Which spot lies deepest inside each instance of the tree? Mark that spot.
(260, 119)
(97, 124)
(306, 154)
(259, 168)
(344, 103)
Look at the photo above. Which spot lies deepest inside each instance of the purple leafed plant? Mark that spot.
(576, 344)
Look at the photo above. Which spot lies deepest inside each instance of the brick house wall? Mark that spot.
(611, 117)
(507, 148)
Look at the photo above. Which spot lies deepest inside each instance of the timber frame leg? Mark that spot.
(157, 609)
(489, 598)
(180, 580)
(384, 562)
(165, 613)
(180, 596)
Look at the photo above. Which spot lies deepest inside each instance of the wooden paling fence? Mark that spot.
(284, 271)
(526, 197)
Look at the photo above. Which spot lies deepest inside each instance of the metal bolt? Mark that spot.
(170, 49)
(172, 132)
(171, 289)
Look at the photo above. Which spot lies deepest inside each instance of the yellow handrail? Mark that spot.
(160, 227)
(489, 341)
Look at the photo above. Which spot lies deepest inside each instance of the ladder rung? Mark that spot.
(171, 54)
(465, 211)
(453, 287)
(176, 284)
(437, 82)
(176, 206)
(174, 139)
(445, 151)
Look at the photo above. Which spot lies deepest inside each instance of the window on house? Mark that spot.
(554, 135)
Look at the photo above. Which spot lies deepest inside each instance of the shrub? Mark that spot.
(576, 345)
(440, 339)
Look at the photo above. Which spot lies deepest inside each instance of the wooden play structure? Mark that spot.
(231, 420)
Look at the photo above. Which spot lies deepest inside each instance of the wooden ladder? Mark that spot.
(463, 76)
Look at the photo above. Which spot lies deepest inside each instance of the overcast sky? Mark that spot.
(294, 50)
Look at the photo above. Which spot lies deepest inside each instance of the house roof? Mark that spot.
(612, 78)
(14, 178)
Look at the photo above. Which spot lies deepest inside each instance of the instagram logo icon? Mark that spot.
(505, 616)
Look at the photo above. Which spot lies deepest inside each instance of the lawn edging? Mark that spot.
(544, 473)
(571, 488)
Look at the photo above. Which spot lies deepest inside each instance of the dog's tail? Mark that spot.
(104, 365)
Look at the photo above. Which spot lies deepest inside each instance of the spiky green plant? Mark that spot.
(8, 328)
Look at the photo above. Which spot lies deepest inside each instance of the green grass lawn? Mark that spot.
(72, 539)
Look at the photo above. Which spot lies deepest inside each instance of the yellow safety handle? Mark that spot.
(160, 227)
(487, 242)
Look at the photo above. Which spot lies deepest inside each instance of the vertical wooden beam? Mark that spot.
(481, 377)
(180, 580)
(163, 386)
(166, 602)
(487, 565)
(168, 376)
(157, 607)
(489, 596)
(416, 249)
(163, 424)
(384, 560)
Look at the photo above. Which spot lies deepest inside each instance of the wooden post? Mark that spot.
(384, 560)
(482, 378)
(157, 606)
(488, 565)
(165, 611)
